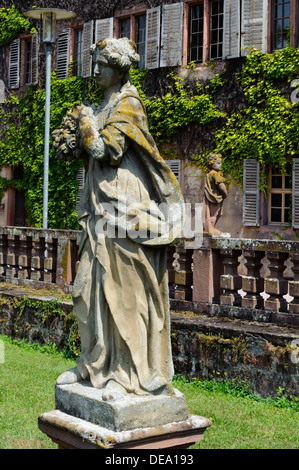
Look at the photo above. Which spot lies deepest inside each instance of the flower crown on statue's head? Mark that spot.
(119, 53)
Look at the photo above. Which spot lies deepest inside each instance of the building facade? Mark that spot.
(173, 34)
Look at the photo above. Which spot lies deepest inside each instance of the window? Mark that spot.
(216, 30)
(28, 63)
(23, 61)
(281, 29)
(140, 39)
(78, 52)
(207, 30)
(125, 28)
(283, 198)
(280, 197)
(196, 33)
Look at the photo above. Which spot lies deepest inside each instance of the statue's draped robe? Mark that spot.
(121, 289)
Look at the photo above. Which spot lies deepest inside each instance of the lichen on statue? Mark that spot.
(130, 210)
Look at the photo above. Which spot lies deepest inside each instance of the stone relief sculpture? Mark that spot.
(130, 209)
(214, 194)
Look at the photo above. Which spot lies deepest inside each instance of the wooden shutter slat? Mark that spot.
(87, 41)
(62, 61)
(104, 29)
(175, 167)
(254, 26)
(251, 192)
(14, 64)
(231, 29)
(34, 58)
(152, 45)
(171, 35)
(81, 182)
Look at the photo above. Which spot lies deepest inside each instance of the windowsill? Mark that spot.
(272, 226)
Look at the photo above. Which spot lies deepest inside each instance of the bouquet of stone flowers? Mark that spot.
(67, 139)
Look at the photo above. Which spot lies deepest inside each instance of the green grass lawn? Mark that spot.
(27, 379)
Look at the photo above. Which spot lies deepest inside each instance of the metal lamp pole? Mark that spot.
(47, 134)
(48, 16)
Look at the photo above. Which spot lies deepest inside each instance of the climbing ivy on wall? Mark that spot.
(267, 129)
(12, 22)
(179, 107)
(22, 145)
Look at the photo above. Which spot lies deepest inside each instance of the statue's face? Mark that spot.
(217, 164)
(105, 75)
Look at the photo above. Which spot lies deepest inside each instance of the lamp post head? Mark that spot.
(49, 16)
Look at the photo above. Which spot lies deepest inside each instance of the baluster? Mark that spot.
(50, 261)
(183, 275)
(230, 281)
(253, 283)
(37, 260)
(25, 257)
(294, 284)
(3, 254)
(275, 285)
(171, 271)
(12, 256)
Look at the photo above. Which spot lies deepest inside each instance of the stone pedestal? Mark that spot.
(83, 401)
(70, 432)
(83, 420)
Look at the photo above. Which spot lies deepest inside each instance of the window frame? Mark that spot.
(27, 63)
(294, 18)
(75, 54)
(206, 53)
(283, 191)
(274, 34)
(217, 44)
(136, 18)
(132, 14)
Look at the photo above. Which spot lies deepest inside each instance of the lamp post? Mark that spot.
(48, 17)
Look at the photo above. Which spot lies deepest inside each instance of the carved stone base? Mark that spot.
(84, 401)
(70, 432)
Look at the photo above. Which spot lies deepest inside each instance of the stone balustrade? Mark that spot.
(255, 279)
(39, 258)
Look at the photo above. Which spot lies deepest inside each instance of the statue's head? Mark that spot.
(116, 53)
(214, 161)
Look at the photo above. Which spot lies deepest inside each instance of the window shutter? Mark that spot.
(2, 91)
(171, 36)
(251, 193)
(254, 25)
(81, 182)
(231, 29)
(63, 48)
(35, 50)
(87, 41)
(295, 193)
(14, 64)
(152, 45)
(175, 166)
(104, 29)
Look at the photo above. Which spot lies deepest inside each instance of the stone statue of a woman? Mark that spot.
(130, 209)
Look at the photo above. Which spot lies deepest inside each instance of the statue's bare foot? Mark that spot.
(69, 377)
(113, 391)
